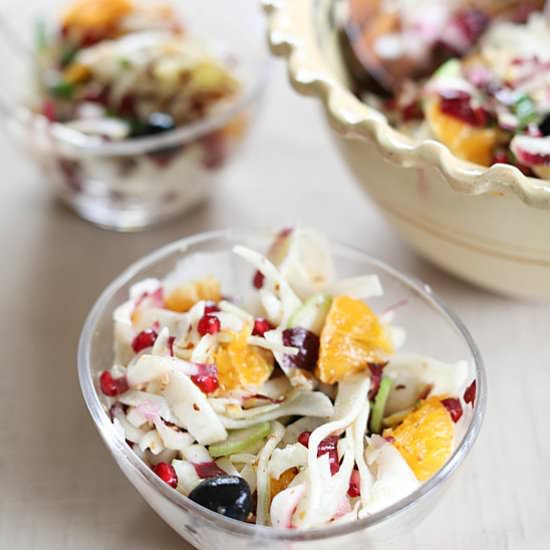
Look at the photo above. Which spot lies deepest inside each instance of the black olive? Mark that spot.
(308, 345)
(227, 495)
(544, 126)
(158, 123)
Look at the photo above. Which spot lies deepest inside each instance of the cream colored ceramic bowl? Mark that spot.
(490, 226)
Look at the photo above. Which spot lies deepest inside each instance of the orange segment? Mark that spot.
(351, 337)
(278, 485)
(96, 14)
(465, 141)
(240, 364)
(425, 438)
(184, 297)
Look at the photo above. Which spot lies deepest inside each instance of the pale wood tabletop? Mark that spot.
(59, 487)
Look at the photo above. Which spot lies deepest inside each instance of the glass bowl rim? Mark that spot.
(119, 447)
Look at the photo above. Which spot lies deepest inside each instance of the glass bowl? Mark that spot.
(137, 182)
(431, 330)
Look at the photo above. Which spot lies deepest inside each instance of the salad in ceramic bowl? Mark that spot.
(136, 105)
(473, 75)
(292, 404)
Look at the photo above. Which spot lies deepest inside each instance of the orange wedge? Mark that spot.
(465, 141)
(351, 337)
(240, 364)
(425, 438)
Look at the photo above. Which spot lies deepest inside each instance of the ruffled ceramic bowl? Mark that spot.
(490, 226)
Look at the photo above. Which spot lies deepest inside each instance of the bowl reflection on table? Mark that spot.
(431, 330)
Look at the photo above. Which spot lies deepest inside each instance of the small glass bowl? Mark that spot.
(431, 330)
(131, 184)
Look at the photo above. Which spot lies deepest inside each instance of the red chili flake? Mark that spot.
(375, 377)
(470, 393)
(261, 326)
(454, 407)
(208, 469)
(112, 386)
(258, 280)
(145, 339)
(206, 378)
(167, 473)
(354, 489)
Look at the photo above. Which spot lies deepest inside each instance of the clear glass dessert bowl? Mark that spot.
(133, 183)
(489, 226)
(431, 330)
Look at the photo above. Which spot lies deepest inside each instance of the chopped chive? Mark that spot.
(379, 407)
(62, 90)
(525, 110)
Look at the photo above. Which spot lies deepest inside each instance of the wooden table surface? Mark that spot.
(59, 487)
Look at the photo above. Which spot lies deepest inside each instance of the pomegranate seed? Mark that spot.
(145, 339)
(472, 23)
(210, 307)
(49, 110)
(261, 326)
(167, 473)
(412, 111)
(206, 378)
(112, 386)
(354, 489)
(326, 446)
(470, 393)
(208, 324)
(456, 103)
(303, 438)
(208, 469)
(390, 438)
(258, 280)
(454, 407)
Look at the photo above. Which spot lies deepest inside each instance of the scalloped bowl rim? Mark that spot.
(290, 38)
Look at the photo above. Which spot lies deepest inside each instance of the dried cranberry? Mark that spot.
(308, 348)
(261, 326)
(145, 339)
(456, 103)
(354, 489)
(171, 340)
(454, 407)
(112, 386)
(258, 280)
(375, 378)
(210, 307)
(412, 111)
(208, 324)
(208, 469)
(472, 23)
(329, 446)
(167, 473)
(470, 393)
(206, 378)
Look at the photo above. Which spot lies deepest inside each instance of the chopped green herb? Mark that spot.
(67, 55)
(125, 63)
(62, 90)
(525, 110)
(380, 404)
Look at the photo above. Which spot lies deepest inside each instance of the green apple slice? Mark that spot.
(312, 313)
(239, 441)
